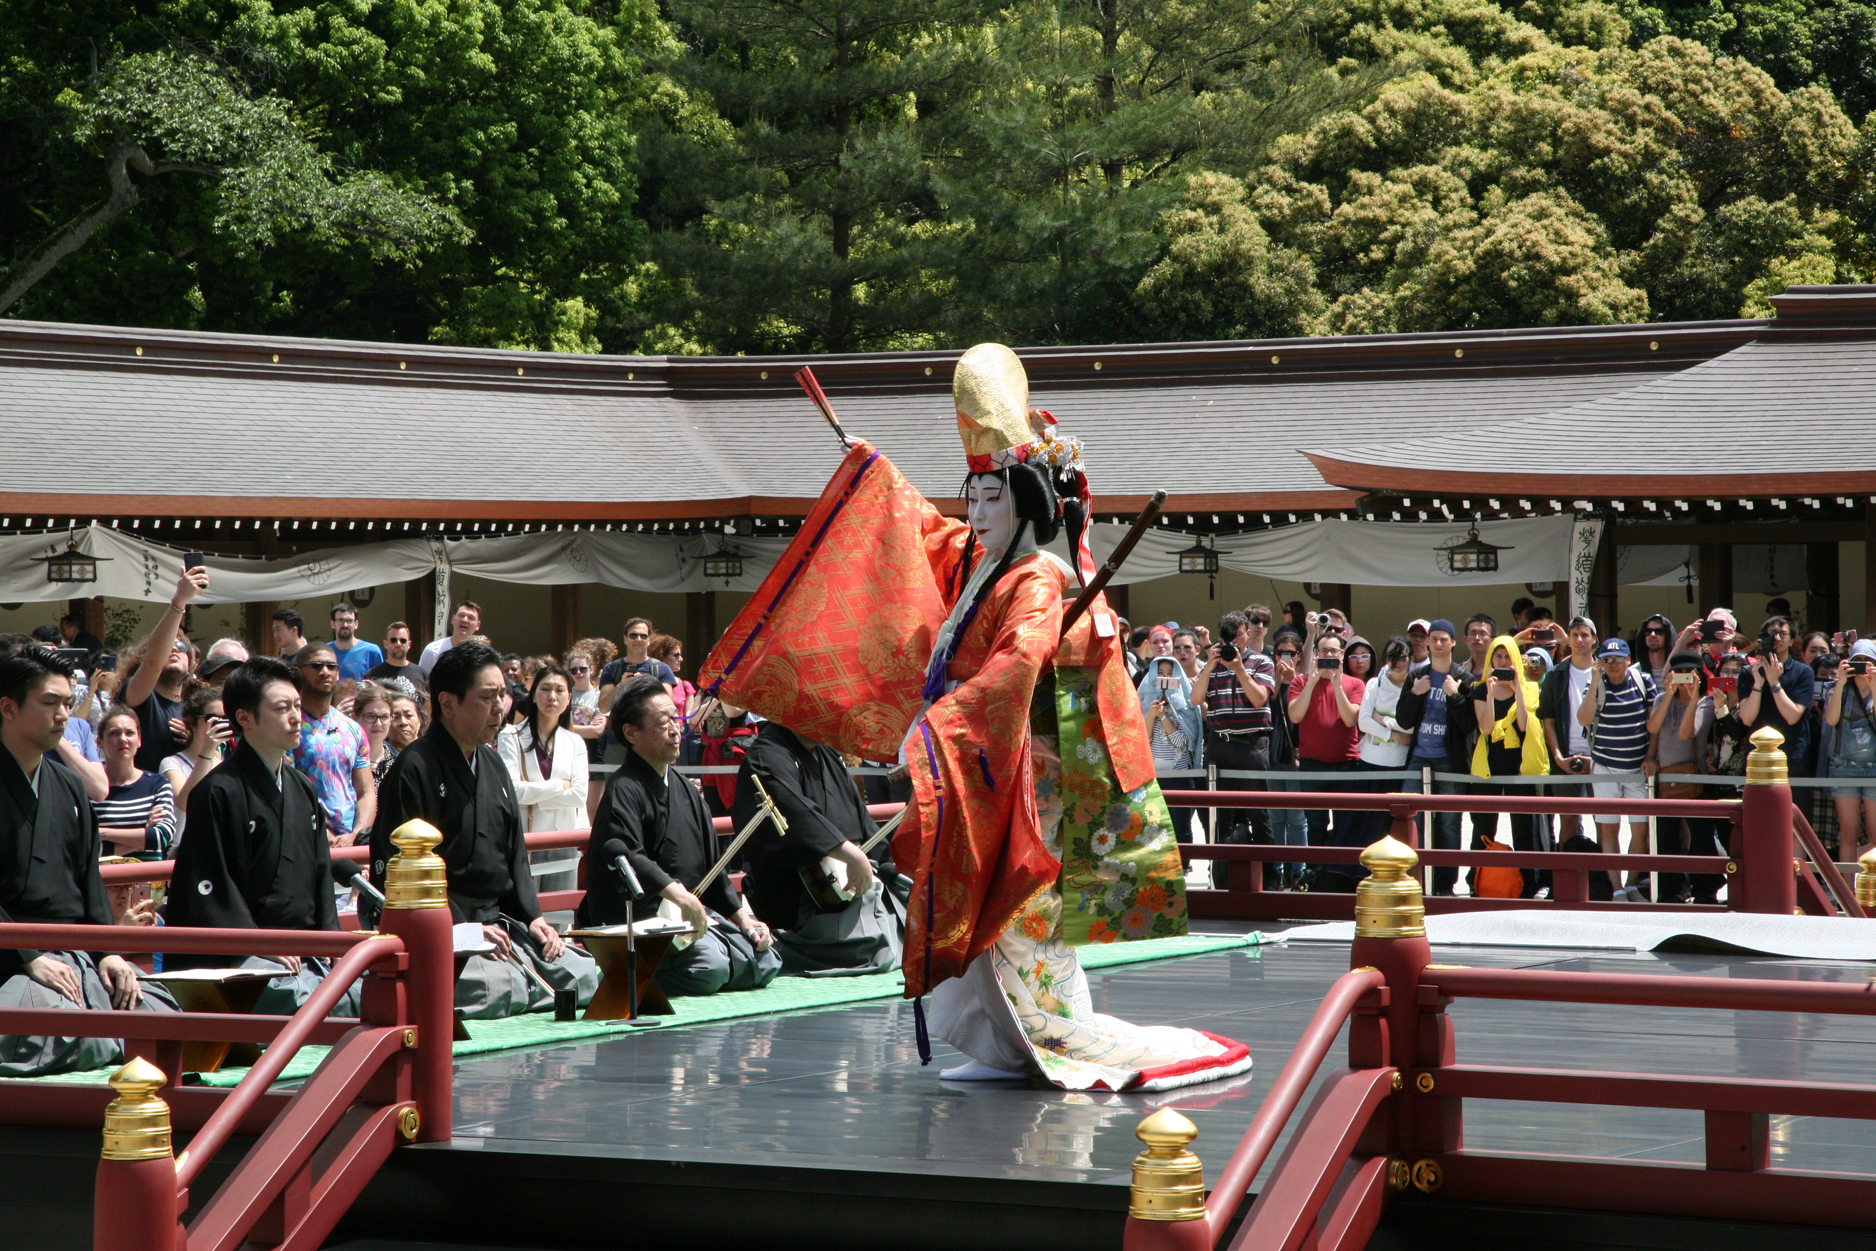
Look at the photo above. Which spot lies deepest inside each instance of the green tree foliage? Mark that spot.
(517, 115)
(1567, 186)
(167, 112)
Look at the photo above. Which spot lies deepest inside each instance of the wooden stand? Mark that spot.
(223, 992)
(612, 1001)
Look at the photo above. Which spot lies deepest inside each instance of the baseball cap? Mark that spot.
(1421, 622)
(1613, 649)
(1442, 623)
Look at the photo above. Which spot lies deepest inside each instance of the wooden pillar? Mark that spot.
(565, 616)
(419, 609)
(257, 617)
(1119, 600)
(1823, 607)
(1867, 626)
(1716, 576)
(700, 627)
(90, 613)
(1603, 603)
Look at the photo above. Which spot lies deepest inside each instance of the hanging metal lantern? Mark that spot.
(726, 563)
(1471, 554)
(71, 565)
(1201, 559)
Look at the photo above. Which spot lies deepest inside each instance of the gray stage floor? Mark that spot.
(842, 1088)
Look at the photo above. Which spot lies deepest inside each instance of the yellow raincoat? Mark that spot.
(1504, 731)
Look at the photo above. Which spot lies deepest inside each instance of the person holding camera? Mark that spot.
(1775, 690)
(1434, 707)
(1325, 705)
(1510, 744)
(1614, 718)
(1232, 693)
(1676, 698)
(1850, 729)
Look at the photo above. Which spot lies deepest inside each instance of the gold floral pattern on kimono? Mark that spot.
(1122, 876)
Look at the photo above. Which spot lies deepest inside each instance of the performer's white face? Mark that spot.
(991, 512)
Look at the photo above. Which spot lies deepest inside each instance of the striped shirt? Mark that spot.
(1621, 730)
(145, 804)
(1227, 708)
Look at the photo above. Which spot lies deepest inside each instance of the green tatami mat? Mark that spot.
(784, 994)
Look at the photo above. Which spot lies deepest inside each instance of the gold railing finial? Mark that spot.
(1866, 880)
(1766, 765)
(1168, 1180)
(1389, 902)
(416, 876)
(136, 1123)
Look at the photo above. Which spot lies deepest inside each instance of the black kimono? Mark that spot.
(49, 848)
(256, 857)
(668, 838)
(809, 783)
(489, 879)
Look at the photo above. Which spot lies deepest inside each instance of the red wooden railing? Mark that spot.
(1392, 1120)
(385, 1080)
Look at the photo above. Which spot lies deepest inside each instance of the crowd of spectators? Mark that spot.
(1312, 705)
(148, 727)
(1302, 703)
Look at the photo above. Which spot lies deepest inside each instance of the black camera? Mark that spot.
(1227, 651)
(1504, 675)
(1328, 662)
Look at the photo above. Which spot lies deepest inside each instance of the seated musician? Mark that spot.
(671, 844)
(453, 778)
(827, 819)
(257, 855)
(49, 848)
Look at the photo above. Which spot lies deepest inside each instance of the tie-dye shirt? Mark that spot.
(330, 748)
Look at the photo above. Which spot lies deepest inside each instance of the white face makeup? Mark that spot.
(991, 512)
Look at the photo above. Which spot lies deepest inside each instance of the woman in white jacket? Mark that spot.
(548, 764)
(1384, 744)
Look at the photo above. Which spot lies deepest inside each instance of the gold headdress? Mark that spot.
(998, 427)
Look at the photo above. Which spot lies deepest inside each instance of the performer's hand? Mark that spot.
(759, 935)
(689, 906)
(54, 974)
(496, 935)
(121, 978)
(859, 869)
(552, 944)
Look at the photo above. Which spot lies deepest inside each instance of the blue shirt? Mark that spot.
(1621, 741)
(1430, 734)
(358, 659)
(79, 733)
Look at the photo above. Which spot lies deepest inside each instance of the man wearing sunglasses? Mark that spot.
(333, 750)
(635, 660)
(397, 662)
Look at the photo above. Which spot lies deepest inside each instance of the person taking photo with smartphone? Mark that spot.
(1559, 695)
(1325, 705)
(209, 737)
(1776, 690)
(1434, 707)
(1850, 742)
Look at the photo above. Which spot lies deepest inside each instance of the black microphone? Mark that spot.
(345, 873)
(614, 854)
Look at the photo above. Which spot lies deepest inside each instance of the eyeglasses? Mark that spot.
(638, 636)
(319, 664)
(1656, 630)
(579, 669)
(1262, 621)
(376, 718)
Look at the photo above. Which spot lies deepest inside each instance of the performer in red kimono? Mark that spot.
(1035, 823)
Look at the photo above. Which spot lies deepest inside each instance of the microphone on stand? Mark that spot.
(614, 854)
(346, 873)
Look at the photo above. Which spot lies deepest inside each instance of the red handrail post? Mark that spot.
(1166, 1208)
(1766, 881)
(137, 1205)
(1390, 937)
(416, 910)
